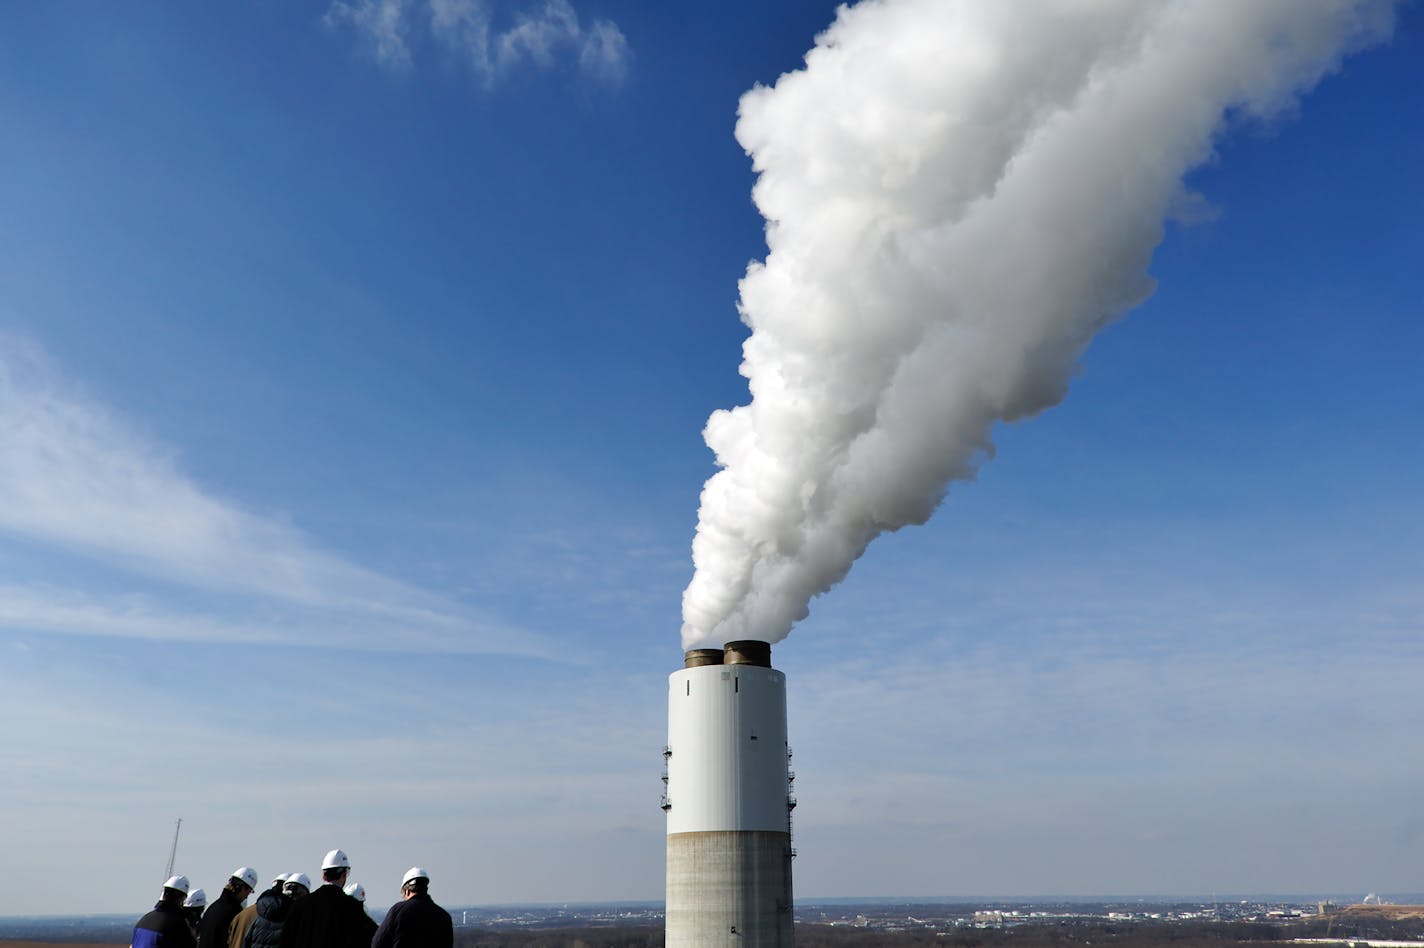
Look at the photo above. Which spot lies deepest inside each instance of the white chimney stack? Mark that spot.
(728, 800)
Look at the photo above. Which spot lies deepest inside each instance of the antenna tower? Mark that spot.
(173, 852)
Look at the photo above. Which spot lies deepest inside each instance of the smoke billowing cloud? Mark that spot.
(958, 196)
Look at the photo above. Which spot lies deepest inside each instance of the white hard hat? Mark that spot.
(415, 872)
(196, 899)
(299, 878)
(279, 878)
(357, 891)
(177, 882)
(336, 859)
(247, 876)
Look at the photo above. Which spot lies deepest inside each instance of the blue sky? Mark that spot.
(350, 412)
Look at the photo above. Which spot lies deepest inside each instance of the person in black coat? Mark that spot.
(166, 926)
(416, 921)
(328, 918)
(273, 907)
(212, 930)
(358, 892)
(193, 906)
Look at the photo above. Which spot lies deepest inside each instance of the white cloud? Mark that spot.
(75, 477)
(545, 37)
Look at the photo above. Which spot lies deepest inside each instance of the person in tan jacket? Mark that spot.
(242, 921)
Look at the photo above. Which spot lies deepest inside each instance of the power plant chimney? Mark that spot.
(728, 800)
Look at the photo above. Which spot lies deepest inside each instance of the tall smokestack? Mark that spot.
(728, 800)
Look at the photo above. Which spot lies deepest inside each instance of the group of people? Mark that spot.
(291, 914)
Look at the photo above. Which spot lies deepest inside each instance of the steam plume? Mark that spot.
(958, 196)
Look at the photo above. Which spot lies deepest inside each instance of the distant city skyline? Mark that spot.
(470, 914)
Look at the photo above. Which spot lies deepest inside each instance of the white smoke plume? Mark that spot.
(959, 194)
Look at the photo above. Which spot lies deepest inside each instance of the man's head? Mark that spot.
(242, 883)
(194, 904)
(298, 885)
(175, 890)
(335, 867)
(415, 882)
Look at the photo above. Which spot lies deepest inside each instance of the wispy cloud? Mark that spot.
(380, 23)
(75, 477)
(604, 52)
(44, 607)
(490, 46)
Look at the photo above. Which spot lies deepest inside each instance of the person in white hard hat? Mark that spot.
(166, 926)
(274, 907)
(358, 892)
(193, 906)
(212, 930)
(328, 918)
(416, 919)
(242, 921)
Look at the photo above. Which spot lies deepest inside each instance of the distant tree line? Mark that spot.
(1350, 925)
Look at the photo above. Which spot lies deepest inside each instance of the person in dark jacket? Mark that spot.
(212, 929)
(193, 907)
(273, 907)
(358, 892)
(415, 921)
(328, 918)
(166, 926)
